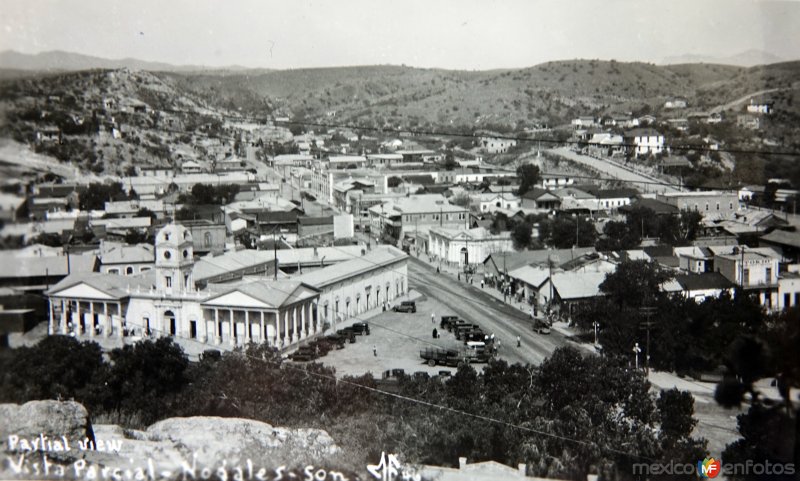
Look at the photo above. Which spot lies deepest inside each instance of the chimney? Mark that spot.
(522, 468)
(462, 463)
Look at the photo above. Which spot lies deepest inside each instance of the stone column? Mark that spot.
(233, 328)
(107, 321)
(121, 318)
(303, 326)
(64, 318)
(80, 320)
(295, 334)
(217, 331)
(262, 332)
(91, 319)
(205, 325)
(246, 326)
(285, 326)
(50, 326)
(277, 315)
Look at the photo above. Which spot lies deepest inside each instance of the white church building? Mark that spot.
(165, 302)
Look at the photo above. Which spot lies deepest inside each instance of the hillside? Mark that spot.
(179, 114)
(549, 93)
(108, 121)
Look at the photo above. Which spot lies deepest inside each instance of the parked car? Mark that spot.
(360, 328)
(541, 328)
(446, 320)
(348, 334)
(210, 355)
(405, 306)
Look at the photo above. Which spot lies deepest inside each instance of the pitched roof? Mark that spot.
(514, 260)
(378, 257)
(273, 293)
(534, 276)
(29, 266)
(113, 285)
(706, 280)
(213, 266)
(121, 253)
(783, 237)
(578, 285)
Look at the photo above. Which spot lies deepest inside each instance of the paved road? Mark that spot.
(615, 170)
(470, 303)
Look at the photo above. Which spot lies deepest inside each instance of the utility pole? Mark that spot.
(648, 312)
(275, 252)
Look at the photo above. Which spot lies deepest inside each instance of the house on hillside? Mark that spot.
(676, 103)
(760, 107)
(644, 142)
(496, 145)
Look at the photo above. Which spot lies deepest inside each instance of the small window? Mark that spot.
(113, 271)
(166, 236)
(167, 254)
(168, 281)
(129, 270)
(185, 254)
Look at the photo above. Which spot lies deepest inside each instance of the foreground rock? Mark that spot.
(173, 445)
(51, 421)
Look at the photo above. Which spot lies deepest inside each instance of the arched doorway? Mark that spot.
(170, 323)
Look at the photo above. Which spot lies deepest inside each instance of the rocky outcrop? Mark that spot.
(169, 445)
(240, 439)
(46, 421)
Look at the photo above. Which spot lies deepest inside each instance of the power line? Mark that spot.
(424, 403)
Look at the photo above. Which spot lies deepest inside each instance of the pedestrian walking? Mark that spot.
(433, 318)
(374, 350)
(481, 283)
(435, 333)
(518, 342)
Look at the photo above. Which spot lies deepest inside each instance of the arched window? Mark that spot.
(129, 270)
(207, 239)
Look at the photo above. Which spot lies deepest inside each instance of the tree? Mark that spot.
(96, 195)
(618, 236)
(143, 375)
(394, 181)
(450, 161)
(528, 175)
(58, 367)
(635, 283)
(462, 200)
(522, 235)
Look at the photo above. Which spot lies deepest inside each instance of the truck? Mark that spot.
(473, 352)
(454, 324)
(462, 330)
(446, 321)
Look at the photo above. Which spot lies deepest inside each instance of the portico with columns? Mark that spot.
(280, 314)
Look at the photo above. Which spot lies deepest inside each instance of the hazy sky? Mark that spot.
(464, 34)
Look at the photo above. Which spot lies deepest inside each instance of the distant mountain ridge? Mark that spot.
(58, 60)
(750, 58)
